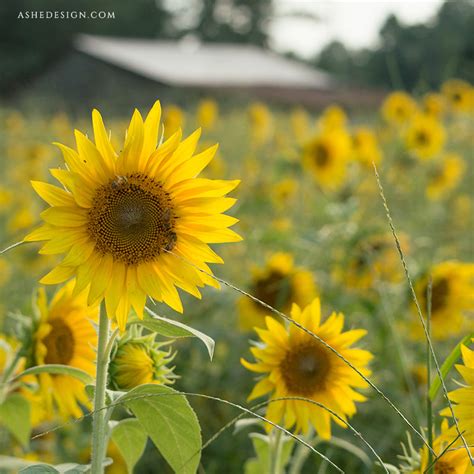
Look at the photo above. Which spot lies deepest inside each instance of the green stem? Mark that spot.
(301, 454)
(429, 403)
(100, 415)
(275, 452)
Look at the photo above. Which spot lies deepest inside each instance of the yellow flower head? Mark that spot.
(325, 156)
(445, 177)
(261, 122)
(452, 297)
(137, 361)
(296, 364)
(174, 120)
(135, 223)
(66, 336)
(459, 95)
(207, 114)
(463, 397)
(398, 108)
(300, 124)
(425, 136)
(333, 118)
(434, 104)
(365, 147)
(278, 284)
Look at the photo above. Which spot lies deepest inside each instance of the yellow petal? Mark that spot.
(57, 275)
(102, 140)
(53, 195)
(64, 217)
(129, 159)
(150, 138)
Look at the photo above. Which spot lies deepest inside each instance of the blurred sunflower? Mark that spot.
(66, 336)
(445, 177)
(398, 108)
(120, 217)
(463, 397)
(173, 120)
(283, 191)
(333, 118)
(207, 114)
(434, 104)
(299, 120)
(452, 297)
(325, 156)
(261, 123)
(365, 147)
(425, 136)
(279, 283)
(138, 360)
(297, 365)
(459, 95)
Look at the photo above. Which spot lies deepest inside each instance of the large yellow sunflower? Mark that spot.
(326, 155)
(451, 301)
(279, 283)
(425, 136)
(66, 336)
(128, 222)
(295, 364)
(463, 397)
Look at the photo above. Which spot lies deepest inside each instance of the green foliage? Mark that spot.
(170, 422)
(79, 374)
(452, 358)
(130, 439)
(261, 444)
(15, 416)
(66, 468)
(171, 328)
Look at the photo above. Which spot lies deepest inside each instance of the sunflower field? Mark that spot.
(297, 299)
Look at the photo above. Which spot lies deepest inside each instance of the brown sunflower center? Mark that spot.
(442, 467)
(59, 343)
(439, 295)
(422, 138)
(321, 155)
(132, 218)
(274, 289)
(305, 368)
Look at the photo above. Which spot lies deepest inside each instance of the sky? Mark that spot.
(354, 22)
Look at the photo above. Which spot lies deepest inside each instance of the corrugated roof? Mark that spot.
(207, 65)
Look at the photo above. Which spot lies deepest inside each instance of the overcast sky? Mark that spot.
(355, 22)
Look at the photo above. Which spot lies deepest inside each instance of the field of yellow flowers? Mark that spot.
(263, 306)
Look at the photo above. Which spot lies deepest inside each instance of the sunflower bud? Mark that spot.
(139, 360)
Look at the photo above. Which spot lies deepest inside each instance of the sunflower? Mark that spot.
(139, 360)
(300, 124)
(207, 114)
(261, 122)
(174, 120)
(333, 118)
(130, 223)
(365, 147)
(325, 156)
(434, 104)
(66, 336)
(445, 177)
(425, 136)
(278, 284)
(451, 298)
(398, 108)
(463, 397)
(298, 365)
(459, 95)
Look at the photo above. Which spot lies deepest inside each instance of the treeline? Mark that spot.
(412, 57)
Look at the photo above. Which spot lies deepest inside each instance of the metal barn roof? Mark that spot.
(188, 63)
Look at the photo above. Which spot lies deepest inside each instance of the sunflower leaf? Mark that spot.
(58, 369)
(170, 422)
(175, 329)
(447, 365)
(15, 416)
(130, 439)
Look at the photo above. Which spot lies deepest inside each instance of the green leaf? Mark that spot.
(130, 439)
(39, 469)
(170, 422)
(261, 446)
(448, 364)
(65, 468)
(15, 415)
(170, 328)
(79, 374)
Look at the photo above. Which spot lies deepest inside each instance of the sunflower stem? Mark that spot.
(429, 405)
(275, 452)
(99, 418)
